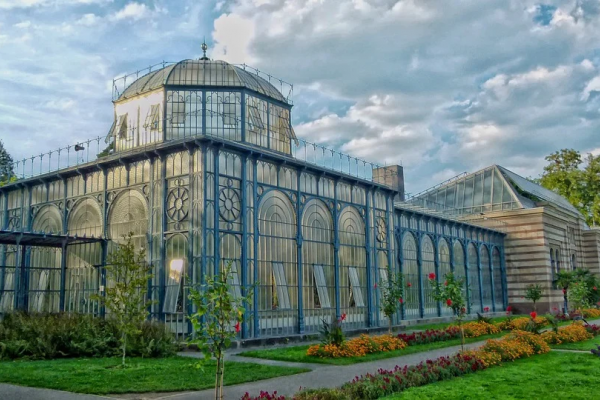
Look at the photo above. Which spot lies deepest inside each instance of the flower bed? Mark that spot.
(521, 323)
(570, 334)
(430, 336)
(480, 328)
(358, 347)
(591, 313)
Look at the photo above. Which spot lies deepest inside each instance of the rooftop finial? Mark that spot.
(204, 48)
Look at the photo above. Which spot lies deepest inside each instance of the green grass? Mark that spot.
(298, 353)
(585, 345)
(99, 375)
(555, 375)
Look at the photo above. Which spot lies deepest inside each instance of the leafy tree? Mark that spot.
(217, 319)
(563, 280)
(533, 292)
(578, 294)
(6, 166)
(127, 275)
(576, 179)
(392, 295)
(451, 293)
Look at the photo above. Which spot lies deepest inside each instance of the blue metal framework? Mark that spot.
(220, 189)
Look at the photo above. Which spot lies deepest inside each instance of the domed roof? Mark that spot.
(201, 72)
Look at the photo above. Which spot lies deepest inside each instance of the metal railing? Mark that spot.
(88, 151)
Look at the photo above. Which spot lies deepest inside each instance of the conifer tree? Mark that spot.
(6, 165)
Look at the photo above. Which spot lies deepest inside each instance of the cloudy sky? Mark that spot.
(439, 86)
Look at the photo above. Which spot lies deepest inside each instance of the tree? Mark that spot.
(451, 293)
(6, 166)
(217, 319)
(533, 292)
(127, 275)
(392, 295)
(563, 280)
(576, 179)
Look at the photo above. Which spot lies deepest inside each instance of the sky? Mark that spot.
(439, 86)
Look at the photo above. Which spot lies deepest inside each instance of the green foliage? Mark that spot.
(592, 283)
(49, 336)
(451, 294)
(392, 295)
(578, 295)
(333, 333)
(7, 173)
(576, 179)
(216, 310)
(553, 321)
(107, 151)
(127, 275)
(483, 318)
(533, 292)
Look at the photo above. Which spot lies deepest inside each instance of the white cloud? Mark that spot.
(89, 20)
(134, 11)
(23, 25)
(592, 86)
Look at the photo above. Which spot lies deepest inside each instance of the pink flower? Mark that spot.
(375, 286)
(401, 300)
(445, 283)
(431, 276)
(595, 288)
(486, 309)
(409, 284)
(237, 327)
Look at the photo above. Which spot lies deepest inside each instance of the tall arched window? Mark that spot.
(428, 267)
(474, 294)
(277, 262)
(486, 277)
(45, 264)
(318, 272)
(498, 280)
(353, 266)
(444, 266)
(411, 276)
(459, 261)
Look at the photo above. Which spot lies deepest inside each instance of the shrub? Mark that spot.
(593, 329)
(332, 333)
(430, 335)
(521, 323)
(569, 334)
(358, 347)
(47, 336)
(591, 313)
(516, 345)
(480, 328)
(263, 396)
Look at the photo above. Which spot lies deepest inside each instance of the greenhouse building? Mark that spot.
(203, 166)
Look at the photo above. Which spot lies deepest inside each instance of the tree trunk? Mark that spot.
(390, 325)
(124, 339)
(222, 376)
(462, 336)
(217, 380)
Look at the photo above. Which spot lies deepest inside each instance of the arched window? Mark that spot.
(444, 266)
(428, 267)
(498, 280)
(318, 271)
(353, 265)
(411, 276)
(474, 295)
(459, 261)
(45, 264)
(486, 277)
(129, 213)
(277, 262)
(175, 272)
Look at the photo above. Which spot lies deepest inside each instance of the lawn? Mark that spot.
(99, 375)
(585, 345)
(298, 353)
(555, 375)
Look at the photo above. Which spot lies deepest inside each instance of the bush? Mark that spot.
(480, 328)
(591, 313)
(47, 336)
(570, 334)
(430, 336)
(358, 347)
(516, 345)
(522, 323)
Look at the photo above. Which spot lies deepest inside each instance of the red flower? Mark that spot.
(595, 288)
(445, 283)
(431, 276)
(508, 309)
(401, 300)
(449, 302)
(463, 310)
(375, 286)
(533, 315)
(409, 284)
(564, 291)
(237, 327)
(343, 317)
(486, 309)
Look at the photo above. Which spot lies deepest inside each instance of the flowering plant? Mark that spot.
(333, 333)
(357, 347)
(452, 293)
(392, 295)
(430, 335)
(533, 292)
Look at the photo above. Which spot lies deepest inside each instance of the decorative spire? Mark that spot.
(204, 48)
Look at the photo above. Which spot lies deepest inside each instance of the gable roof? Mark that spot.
(494, 188)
